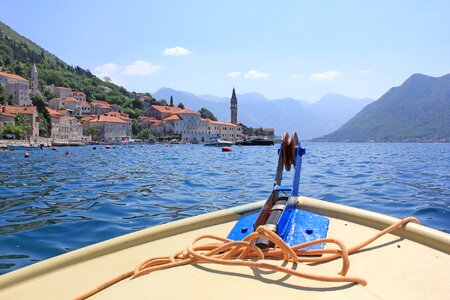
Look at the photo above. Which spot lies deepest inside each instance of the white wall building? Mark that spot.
(18, 87)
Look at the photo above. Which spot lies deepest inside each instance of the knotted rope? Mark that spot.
(245, 253)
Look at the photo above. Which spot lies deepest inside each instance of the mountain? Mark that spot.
(334, 110)
(418, 110)
(17, 55)
(288, 114)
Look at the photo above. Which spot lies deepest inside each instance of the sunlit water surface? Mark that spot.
(51, 203)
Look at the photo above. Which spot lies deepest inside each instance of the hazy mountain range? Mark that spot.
(288, 114)
(416, 111)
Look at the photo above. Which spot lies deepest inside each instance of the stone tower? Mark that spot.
(34, 81)
(233, 107)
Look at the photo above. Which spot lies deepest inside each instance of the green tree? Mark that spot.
(146, 134)
(181, 105)
(92, 131)
(171, 101)
(23, 122)
(45, 126)
(13, 129)
(206, 114)
(135, 128)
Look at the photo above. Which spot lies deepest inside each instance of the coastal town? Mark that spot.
(76, 120)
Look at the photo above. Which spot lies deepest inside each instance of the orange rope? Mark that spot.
(245, 253)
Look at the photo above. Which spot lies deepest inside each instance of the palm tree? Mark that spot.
(24, 123)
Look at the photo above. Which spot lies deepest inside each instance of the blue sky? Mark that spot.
(299, 49)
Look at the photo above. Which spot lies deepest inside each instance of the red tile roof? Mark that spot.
(13, 110)
(70, 99)
(172, 118)
(12, 76)
(166, 109)
(222, 123)
(101, 103)
(107, 118)
(56, 113)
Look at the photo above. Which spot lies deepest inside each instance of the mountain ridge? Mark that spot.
(255, 110)
(418, 110)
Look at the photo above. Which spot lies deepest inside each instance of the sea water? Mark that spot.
(52, 203)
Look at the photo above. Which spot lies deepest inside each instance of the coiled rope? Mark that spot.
(245, 253)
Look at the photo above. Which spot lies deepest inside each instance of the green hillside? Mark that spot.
(18, 53)
(416, 111)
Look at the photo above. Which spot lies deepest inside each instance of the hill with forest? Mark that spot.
(416, 111)
(17, 55)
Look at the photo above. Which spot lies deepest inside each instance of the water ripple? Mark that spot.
(51, 203)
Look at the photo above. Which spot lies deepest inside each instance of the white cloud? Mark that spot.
(234, 74)
(176, 51)
(106, 70)
(365, 72)
(327, 75)
(140, 68)
(296, 76)
(253, 74)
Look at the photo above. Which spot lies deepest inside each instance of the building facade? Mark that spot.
(18, 87)
(111, 127)
(8, 115)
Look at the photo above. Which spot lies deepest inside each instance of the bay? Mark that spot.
(51, 203)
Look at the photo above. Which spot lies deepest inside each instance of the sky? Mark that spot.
(298, 49)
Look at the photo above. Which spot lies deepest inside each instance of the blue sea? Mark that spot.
(51, 203)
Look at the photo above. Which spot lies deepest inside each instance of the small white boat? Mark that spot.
(21, 147)
(217, 141)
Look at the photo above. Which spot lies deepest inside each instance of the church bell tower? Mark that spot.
(233, 107)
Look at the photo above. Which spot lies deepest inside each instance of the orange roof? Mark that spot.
(188, 111)
(70, 99)
(79, 93)
(166, 109)
(107, 118)
(56, 113)
(102, 104)
(172, 118)
(12, 76)
(156, 123)
(13, 110)
(144, 119)
(119, 115)
(85, 104)
(222, 123)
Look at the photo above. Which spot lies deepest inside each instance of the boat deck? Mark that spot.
(395, 267)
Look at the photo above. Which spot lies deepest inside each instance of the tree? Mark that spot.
(135, 128)
(92, 131)
(24, 123)
(206, 114)
(13, 129)
(45, 125)
(171, 101)
(146, 134)
(181, 105)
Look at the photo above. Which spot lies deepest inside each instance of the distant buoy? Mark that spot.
(27, 155)
(54, 148)
(67, 153)
(108, 147)
(226, 149)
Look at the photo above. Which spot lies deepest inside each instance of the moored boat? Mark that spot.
(217, 141)
(256, 142)
(21, 147)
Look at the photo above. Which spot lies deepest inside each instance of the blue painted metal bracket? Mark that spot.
(306, 227)
(294, 225)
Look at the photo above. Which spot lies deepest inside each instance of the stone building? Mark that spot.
(8, 114)
(18, 87)
(111, 127)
